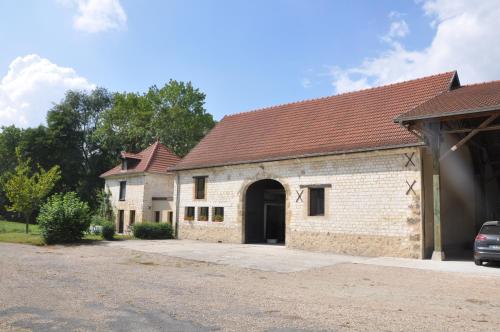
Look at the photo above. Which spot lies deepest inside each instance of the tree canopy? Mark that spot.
(86, 131)
(174, 114)
(26, 189)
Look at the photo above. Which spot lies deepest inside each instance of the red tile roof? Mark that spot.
(343, 123)
(154, 159)
(466, 99)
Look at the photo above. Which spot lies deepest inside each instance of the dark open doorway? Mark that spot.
(121, 221)
(265, 212)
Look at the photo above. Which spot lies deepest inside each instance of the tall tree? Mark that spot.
(9, 140)
(174, 113)
(71, 126)
(26, 189)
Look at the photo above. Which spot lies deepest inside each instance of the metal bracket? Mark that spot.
(410, 187)
(410, 159)
(299, 196)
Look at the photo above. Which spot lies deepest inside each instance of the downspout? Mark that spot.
(177, 204)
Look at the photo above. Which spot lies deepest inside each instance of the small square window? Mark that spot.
(199, 187)
(218, 214)
(316, 201)
(203, 213)
(189, 213)
(123, 190)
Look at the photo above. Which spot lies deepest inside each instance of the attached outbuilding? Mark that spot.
(141, 188)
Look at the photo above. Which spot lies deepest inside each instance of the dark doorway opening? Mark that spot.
(121, 220)
(265, 212)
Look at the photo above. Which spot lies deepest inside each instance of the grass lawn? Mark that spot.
(14, 232)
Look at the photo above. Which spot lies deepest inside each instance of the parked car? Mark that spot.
(487, 243)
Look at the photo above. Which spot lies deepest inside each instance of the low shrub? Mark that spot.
(218, 218)
(151, 231)
(108, 230)
(64, 219)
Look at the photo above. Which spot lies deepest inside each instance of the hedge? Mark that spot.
(152, 231)
(108, 230)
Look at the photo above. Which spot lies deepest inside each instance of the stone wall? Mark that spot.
(367, 208)
(159, 186)
(140, 190)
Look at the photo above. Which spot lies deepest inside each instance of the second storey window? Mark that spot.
(199, 187)
(316, 201)
(123, 190)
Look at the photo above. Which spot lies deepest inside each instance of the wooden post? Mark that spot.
(438, 253)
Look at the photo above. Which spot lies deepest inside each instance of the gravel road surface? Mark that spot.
(101, 288)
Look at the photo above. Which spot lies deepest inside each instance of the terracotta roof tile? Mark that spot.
(341, 123)
(465, 99)
(154, 159)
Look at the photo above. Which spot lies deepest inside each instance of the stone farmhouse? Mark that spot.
(141, 187)
(410, 169)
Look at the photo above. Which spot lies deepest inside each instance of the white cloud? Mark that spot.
(398, 29)
(99, 15)
(30, 87)
(466, 38)
(306, 83)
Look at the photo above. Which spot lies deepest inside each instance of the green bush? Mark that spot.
(97, 220)
(151, 231)
(63, 219)
(108, 230)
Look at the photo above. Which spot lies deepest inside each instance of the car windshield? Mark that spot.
(490, 230)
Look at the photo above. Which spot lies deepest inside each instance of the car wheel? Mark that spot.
(478, 262)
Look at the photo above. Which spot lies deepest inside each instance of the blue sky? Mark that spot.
(242, 54)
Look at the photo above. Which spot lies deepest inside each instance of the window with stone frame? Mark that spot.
(316, 201)
(218, 214)
(203, 213)
(123, 190)
(200, 187)
(189, 213)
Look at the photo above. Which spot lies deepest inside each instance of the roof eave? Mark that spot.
(310, 155)
(406, 119)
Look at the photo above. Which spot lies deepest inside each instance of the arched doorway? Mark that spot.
(265, 212)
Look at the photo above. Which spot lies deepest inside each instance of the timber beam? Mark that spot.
(471, 134)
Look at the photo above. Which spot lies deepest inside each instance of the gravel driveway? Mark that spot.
(97, 287)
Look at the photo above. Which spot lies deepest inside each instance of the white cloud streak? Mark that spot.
(466, 39)
(31, 85)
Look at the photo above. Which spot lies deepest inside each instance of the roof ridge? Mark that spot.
(339, 94)
(155, 147)
(480, 83)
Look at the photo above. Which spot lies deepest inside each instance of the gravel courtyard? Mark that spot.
(97, 287)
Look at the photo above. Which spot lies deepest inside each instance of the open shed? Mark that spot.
(461, 165)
